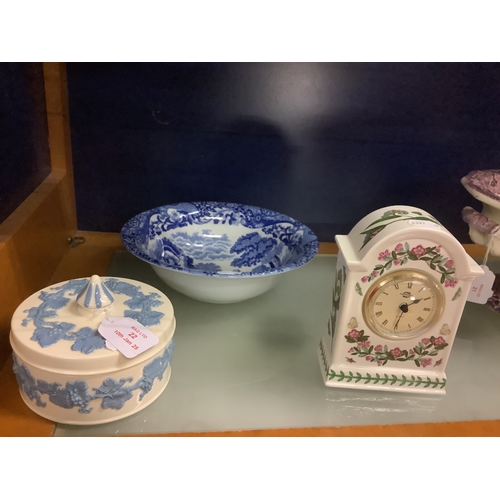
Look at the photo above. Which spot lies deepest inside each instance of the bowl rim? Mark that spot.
(310, 249)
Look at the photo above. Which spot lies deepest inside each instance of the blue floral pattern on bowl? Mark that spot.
(219, 239)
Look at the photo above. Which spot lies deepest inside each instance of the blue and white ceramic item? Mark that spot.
(65, 369)
(219, 252)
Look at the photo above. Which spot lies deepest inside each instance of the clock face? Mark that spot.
(403, 304)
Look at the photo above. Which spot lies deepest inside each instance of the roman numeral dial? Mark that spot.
(403, 304)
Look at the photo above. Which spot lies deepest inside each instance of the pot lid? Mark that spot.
(56, 329)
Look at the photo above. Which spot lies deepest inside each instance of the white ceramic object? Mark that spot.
(219, 252)
(484, 227)
(402, 281)
(64, 369)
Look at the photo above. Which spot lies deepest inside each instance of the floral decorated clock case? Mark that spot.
(402, 281)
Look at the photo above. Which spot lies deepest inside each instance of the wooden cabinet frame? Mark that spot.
(34, 238)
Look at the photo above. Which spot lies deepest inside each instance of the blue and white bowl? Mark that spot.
(219, 252)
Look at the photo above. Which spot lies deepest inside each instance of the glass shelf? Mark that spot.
(254, 365)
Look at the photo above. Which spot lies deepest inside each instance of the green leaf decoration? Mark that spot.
(384, 378)
(385, 219)
(380, 224)
(369, 235)
(457, 294)
(323, 356)
(441, 347)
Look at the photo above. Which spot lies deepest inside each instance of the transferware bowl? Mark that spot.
(219, 252)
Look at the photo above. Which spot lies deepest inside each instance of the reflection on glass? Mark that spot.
(24, 162)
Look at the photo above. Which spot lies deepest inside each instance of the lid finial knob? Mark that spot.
(95, 295)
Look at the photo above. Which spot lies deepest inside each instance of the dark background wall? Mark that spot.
(325, 143)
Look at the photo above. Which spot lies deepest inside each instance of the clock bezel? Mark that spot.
(406, 275)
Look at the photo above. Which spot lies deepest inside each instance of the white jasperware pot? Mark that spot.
(64, 369)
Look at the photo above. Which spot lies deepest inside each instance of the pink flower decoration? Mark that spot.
(354, 334)
(451, 283)
(379, 363)
(426, 362)
(418, 251)
(396, 262)
(374, 274)
(384, 255)
(399, 248)
(439, 341)
(351, 350)
(412, 352)
(364, 344)
(426, 341)
(396, 352)
(378, 348)
(369, 358)
(364, 279)
(448, 264)
(438, 249)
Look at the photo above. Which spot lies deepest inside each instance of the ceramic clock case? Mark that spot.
(354, 353)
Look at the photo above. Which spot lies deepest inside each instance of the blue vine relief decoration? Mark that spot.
(112, 393)
(86, 340)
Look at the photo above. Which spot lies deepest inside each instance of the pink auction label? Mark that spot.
(481, 288)
(127, 335)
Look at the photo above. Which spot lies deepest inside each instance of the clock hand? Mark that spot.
(399, 317)
(404, 309)
(416, 301)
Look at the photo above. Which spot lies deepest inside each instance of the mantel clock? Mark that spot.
(401, 285)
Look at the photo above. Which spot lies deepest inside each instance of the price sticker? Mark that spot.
(424, 223)
(127, 335)
(481, 288)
